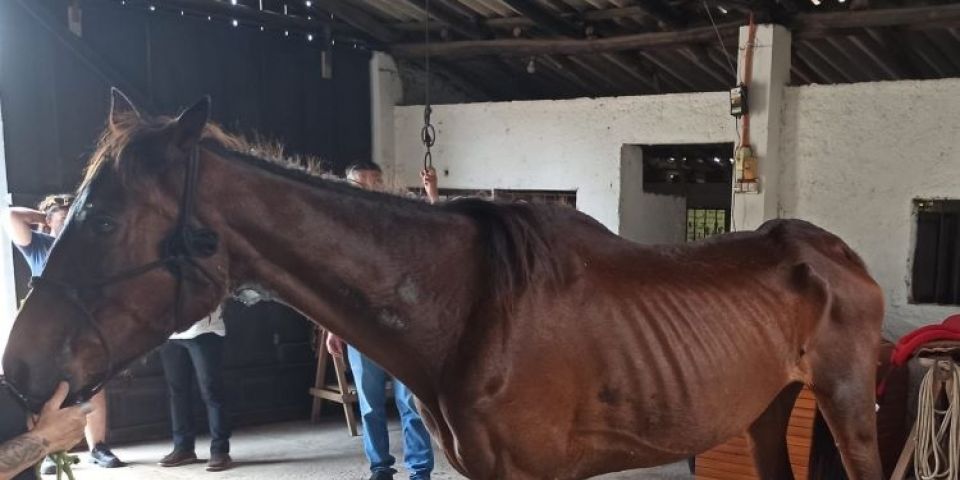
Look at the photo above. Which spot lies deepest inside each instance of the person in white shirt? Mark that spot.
(197, 351)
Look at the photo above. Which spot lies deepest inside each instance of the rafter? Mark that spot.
(869, 47)
(453, 19)
(532, 47)
(356, 18)
(666, 15)
(545, 19)
(804, 26)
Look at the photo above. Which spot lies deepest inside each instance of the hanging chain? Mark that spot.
(428, 134)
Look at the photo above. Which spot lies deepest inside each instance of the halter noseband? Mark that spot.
(181, 249)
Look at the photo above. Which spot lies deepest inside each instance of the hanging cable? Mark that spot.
(428, 134)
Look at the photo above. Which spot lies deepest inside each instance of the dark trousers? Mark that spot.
(200, 357)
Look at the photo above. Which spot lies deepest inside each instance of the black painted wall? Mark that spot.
(55, 104)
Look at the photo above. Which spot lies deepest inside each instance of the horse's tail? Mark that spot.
(825, 462)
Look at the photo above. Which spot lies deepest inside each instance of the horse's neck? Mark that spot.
(388, 277)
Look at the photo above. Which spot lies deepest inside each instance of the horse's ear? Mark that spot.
(121, 108)
(191, 122)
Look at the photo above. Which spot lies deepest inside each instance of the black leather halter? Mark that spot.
(180, 251)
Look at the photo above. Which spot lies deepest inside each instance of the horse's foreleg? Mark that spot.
(768, 436)
(844, 382)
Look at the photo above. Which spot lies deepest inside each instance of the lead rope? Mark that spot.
(428, 134)
(931, 461)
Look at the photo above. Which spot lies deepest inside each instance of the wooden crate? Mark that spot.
(732, 459)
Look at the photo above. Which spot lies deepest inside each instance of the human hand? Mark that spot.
(334, 345)
(429, 178)
(61, 428)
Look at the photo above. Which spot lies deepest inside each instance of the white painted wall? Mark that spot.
(386, 91)
(555, 145)
(854, 158)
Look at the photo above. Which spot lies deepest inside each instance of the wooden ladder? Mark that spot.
(341, 392)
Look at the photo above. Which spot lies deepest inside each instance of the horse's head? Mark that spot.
(132, 265)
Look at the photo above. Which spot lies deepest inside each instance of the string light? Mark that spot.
(235, 23)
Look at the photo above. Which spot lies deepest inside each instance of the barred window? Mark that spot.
(936, 255)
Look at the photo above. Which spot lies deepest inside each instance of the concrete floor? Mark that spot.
(288, 451)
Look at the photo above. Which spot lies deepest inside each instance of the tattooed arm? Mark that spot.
(21, 453)
(57, 429)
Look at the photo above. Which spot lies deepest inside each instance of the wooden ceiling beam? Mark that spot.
(459, 80)
(898, 52)
(610, 86)
(509, 23)
(699, 57)
(667, 16)
(816, 25)
(679, 77)
(927, 52)
(587, 88)
(867, 46)
(805, 26)
(533, 47)
(470, 28)
(823, 72)
(545, 19)
(947, 45)
(826, 56)
(868, 70)
(634, 70)
(801, 74)
(356, 18)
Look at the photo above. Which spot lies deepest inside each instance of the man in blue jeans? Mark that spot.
(371, 380)
(197, 351)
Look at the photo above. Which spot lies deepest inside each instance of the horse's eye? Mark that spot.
(103, 225)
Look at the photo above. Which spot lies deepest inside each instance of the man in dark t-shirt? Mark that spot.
(34, 232)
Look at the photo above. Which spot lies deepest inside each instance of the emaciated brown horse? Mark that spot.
(541, 345)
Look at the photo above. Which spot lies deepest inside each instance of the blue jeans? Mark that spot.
(371, 383)
(182, 359)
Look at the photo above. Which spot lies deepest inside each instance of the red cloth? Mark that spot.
(949, 330)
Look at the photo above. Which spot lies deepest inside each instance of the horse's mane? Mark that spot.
(128, 127)
(516, 248)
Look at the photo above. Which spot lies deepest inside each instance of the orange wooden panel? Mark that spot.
(732, 460)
